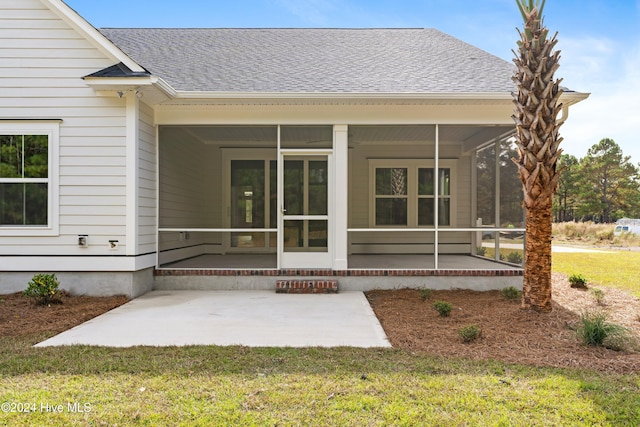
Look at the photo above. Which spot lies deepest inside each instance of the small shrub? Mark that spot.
(43, 288)
(578, 281)
(469, 333)
(598, 295)
(425, 294)
(443, 308)
(510, 293)
(481, 250)
(514, 257)
(594, 330)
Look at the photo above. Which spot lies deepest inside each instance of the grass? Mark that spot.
(285, 386)
(616, 269)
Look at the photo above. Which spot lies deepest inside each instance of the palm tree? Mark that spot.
(536, 109)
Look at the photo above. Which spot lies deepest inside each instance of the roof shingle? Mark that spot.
(314, 60)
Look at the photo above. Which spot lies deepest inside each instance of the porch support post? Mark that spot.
(341, 196)
(436, 213)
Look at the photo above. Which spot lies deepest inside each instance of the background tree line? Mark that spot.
(603, 186)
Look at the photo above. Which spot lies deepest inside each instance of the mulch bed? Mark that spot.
(509, 333)
(20, 315)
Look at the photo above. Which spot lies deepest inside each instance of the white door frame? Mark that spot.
(305, 259)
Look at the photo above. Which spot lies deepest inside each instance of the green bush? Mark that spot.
(578, 281)
(514, 257)
(598, 295)
(43, 288)
(511, 293)
(594, 330)
(443, 308)
(425, 294)
(469, 333)
(481, 251)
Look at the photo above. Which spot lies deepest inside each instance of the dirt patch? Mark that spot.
(508, 333)
(20, 315)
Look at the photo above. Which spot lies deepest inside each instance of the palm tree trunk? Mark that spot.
(536, 284)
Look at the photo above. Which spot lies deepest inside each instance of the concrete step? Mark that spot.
(310, 286)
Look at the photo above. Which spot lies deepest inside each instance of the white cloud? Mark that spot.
(610, 71)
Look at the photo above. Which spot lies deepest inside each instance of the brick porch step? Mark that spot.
(299, 286)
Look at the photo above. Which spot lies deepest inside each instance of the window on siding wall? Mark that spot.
(27, 191)
(403, 193)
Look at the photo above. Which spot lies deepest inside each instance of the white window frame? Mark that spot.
(412, 166)
(52, 130)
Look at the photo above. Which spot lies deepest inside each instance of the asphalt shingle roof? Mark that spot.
(314, 60)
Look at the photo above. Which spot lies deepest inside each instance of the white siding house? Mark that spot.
(131, 156)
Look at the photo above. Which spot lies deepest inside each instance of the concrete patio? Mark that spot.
(248, 318)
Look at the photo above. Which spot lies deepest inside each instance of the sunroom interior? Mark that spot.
(264, 197)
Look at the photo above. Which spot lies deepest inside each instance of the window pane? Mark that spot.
(294, 187)
(11, 156)
(425, 212)
(391, 181)
(391, 211)
(293, 235)
(444, 212)
(318, 187)
(318, 231)
(444, 182)
(23, 204)
(36, 157)
(425, 182)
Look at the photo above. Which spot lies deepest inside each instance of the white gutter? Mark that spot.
(342, 95)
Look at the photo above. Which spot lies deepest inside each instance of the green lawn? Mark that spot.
(240, 386)
(619, 269)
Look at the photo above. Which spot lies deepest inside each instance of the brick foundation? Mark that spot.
(299, 286)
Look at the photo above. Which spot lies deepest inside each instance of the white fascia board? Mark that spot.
(569, 97)
(88, 31)
(343, 95)
(128, 83)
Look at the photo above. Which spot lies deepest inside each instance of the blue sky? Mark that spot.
(599, 40)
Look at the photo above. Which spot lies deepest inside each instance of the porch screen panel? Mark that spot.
(306, 137)
(511, 243)
(426, 196)
(511, 197)
(486, 186)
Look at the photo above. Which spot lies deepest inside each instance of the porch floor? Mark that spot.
(356, 262)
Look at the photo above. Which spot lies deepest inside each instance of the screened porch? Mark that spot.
(339, 198)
